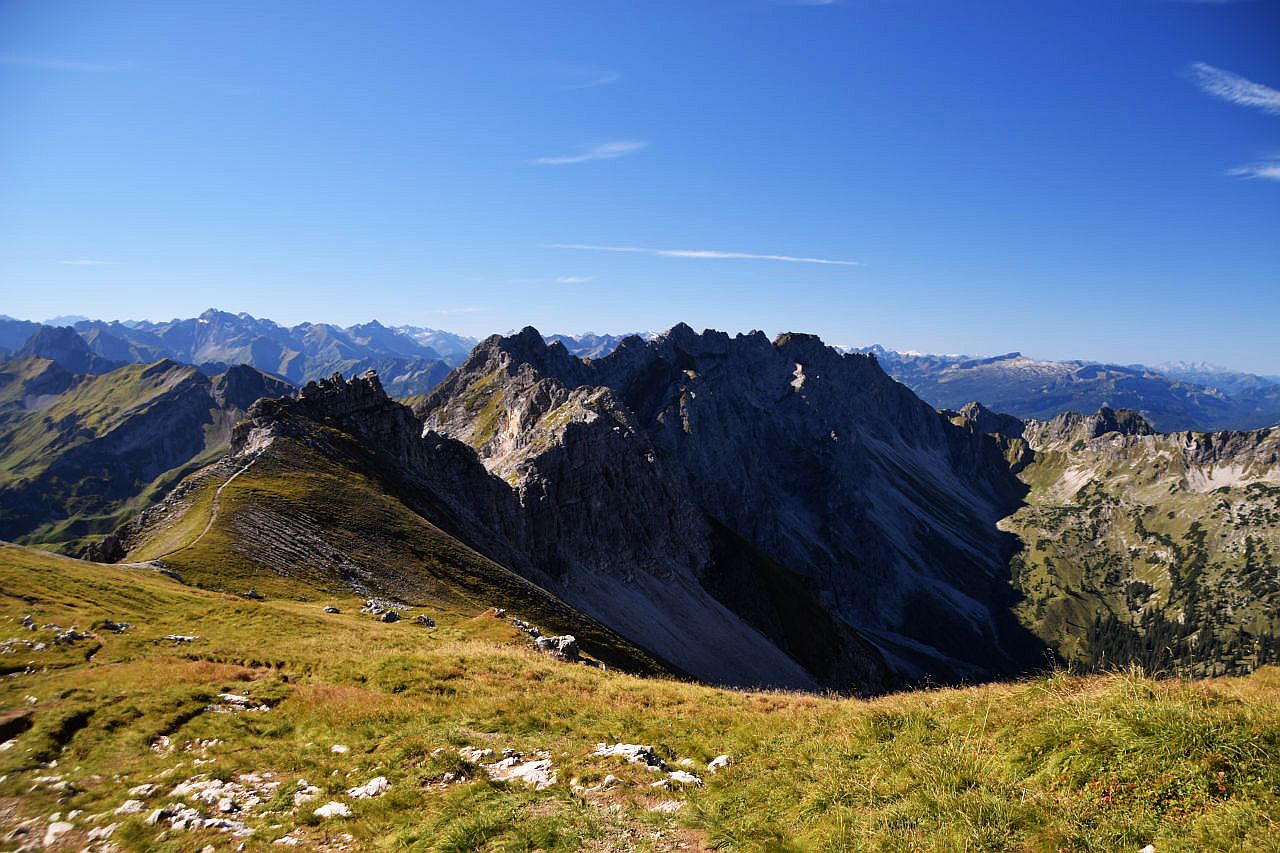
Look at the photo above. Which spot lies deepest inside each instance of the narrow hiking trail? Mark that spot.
(214, 506)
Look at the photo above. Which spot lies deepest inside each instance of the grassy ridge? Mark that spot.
(297, 523)
(1102, 763)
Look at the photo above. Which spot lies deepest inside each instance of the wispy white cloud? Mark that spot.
(574, 279)
(593, 79)
(1266, 170)
(603, 151)
(55, 64)
(1235, 89)
(86, 262)
(706, 254)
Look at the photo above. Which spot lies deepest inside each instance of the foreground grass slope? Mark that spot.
(1103, 763)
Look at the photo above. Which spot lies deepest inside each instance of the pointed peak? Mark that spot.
(336, 396)
(680, 331)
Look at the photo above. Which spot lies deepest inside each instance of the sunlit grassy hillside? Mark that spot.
(1103, 763)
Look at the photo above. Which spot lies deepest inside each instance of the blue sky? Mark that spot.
(1079, 179)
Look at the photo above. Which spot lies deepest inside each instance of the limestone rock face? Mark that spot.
(571, 495)
(694, 456)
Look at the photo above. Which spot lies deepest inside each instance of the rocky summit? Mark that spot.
(735, 465)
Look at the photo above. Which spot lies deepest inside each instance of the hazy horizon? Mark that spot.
(771, 333)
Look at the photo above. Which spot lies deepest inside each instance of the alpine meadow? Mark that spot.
(923, 493)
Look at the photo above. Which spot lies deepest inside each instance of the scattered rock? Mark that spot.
(28, 622)
(634, 753)
(339, 749)
(375, 787)
(115, 627)
(56, 830)
(683, 777)
(538, 772)
(181, 638)
(720, 762)
(562, 648)
(329, 609)
(234, 703)
(305, 792)
(131, 807)
(667, 806)
(144, 792)
(254, 594)
(685, 762)
(475, 756)
(389, 616)
(498, 612)
(333, 809)
(102, 833)
(71, 635)
(425, 621)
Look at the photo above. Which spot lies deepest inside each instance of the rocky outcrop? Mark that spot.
(576, 507)
(1073, 426)
(648, 462)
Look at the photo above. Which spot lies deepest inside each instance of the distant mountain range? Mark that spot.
(1174, 396)
(412, 360)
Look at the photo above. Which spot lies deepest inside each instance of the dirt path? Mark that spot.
(214, 505)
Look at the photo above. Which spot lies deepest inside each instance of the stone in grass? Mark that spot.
(425, 621)
(677, 777)
(634, 753)
(375, 787)
(720, 762)
(56, 830)
(389, 616)
(333, 809)
(339, 749)
(562, 648)
(332, 609)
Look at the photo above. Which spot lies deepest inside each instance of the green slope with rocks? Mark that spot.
(177, 717)
(1161, 550)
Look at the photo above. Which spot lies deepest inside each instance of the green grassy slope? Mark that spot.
(76, 464)
(1124, 562)
(1103, 763)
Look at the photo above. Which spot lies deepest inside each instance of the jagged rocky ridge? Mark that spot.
(661, 458)
(629, 570)
(759, 512)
